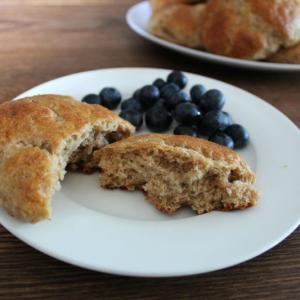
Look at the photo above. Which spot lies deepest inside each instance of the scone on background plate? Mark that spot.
(250, 29)
(157, 5)
(39, 137)
(179, 23)
(287, 55)
(176, 171)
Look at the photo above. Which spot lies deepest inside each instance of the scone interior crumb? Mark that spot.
(171, 181)
(78, 151)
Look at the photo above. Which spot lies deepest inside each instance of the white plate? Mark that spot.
(138, 18)
(120, 232)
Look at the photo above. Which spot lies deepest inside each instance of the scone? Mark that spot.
(287, 55)
(39, 137)
(176, 171)
(180, 24)
(157, 5)
(250, 29)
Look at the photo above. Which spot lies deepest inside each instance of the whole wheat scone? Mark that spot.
(39, 137)
(176, 171)
(250, 29)
(157, 5)
(179, 23)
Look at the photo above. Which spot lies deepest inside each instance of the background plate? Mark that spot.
(138, 17)
(120, 232)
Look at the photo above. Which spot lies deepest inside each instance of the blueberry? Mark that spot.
(149, 95)
(196, 92)
(239, 135)
(133, 116)
(230, 121)
(177, 98)
(186, 113)
(160, 103)
(186, 130)
(212, 100)
(110, 97)
(131, 104)
(158, 119)
(213, 121)
(91, 99)
(159, 83)
(169, 90)
(178, 78)
(222, 138)
(137, 94)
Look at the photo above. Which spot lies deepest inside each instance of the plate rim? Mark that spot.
(77, 263)
(147, 274)
(202, 55)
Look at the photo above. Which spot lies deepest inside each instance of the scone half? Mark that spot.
(175, 171)
(39, 138)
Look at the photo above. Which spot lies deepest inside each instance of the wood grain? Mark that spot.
(41, 40)
(60, 3)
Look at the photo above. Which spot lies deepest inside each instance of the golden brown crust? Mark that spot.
(283, 15)
(179, 24)
(226, 30)
(157, 5)
(37, 136)
(250, 29)
(48, 119)
(26, 183)
(287, 55)
(162, 141)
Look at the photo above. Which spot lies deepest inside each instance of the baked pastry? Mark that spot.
(250, 29)
(39, 137)
(176, 171)
(179, 23)
(157, 5)
(287, 55)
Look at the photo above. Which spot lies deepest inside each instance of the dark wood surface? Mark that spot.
(43, 39)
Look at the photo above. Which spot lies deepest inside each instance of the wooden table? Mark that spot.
(43, 39)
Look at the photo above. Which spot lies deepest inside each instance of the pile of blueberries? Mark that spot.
(198, 114)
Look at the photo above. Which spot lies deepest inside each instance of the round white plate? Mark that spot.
(120, 232)
(138, 18)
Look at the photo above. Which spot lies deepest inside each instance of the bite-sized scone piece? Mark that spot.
(180, 24)
(287, 55)
(176, 171)
(39, 137)
(160, 4)
(250, 29)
